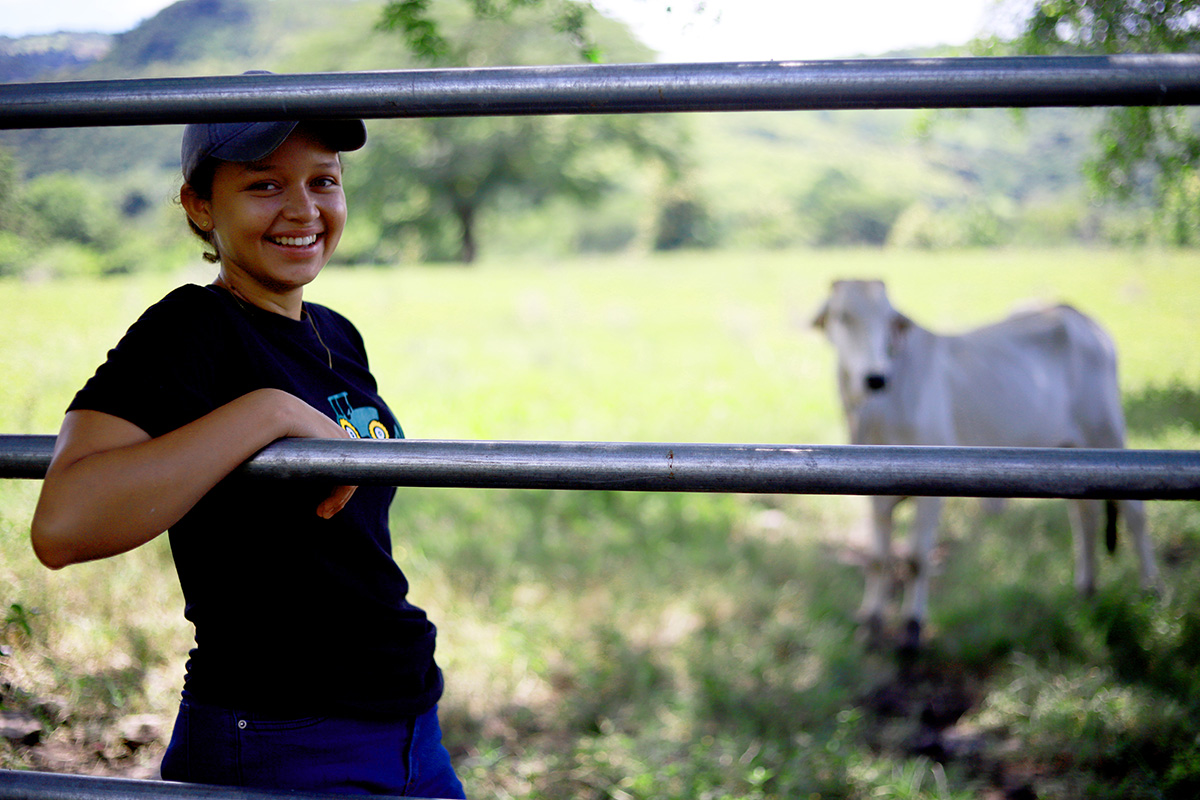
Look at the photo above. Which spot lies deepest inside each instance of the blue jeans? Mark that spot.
(228, 747)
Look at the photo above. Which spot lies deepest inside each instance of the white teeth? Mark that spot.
(303, 241)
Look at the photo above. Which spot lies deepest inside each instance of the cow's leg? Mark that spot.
(1134, 513)
(993, 506)
(878, 573)
(1085, 518)
(923, 539)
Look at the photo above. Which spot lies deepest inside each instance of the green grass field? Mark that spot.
(626, 645)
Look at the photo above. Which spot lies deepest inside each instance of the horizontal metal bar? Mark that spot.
(758, 469)
(16, 785)
(1019, 81)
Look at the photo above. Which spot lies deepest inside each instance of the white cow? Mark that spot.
(1044, 378)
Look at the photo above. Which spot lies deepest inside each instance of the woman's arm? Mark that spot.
(110, 487)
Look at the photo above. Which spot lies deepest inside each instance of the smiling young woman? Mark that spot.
(204, 379)
(275, 222)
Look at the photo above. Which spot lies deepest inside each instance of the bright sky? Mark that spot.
(725, 30)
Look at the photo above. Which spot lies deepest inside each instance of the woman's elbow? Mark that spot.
(49, 545)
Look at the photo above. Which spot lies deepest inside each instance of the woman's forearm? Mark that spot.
(110, 487)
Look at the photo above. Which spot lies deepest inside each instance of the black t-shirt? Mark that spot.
(294, 614)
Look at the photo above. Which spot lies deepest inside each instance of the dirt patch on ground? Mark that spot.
(919, 710)
(42, 734)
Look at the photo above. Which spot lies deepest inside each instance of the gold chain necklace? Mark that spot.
(245, 306)
(313, 324)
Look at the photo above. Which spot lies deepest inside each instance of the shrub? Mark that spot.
(68, 208)
(844, 211)
(14, 254)
(684, 221)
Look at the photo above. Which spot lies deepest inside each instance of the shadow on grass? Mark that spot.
(765, 690)
(1099, 693)
(1158, 408)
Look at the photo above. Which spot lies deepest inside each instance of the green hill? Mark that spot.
(188, 38)
(34, 57)
(773, 179)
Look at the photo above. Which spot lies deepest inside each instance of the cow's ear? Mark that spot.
(822, 314)
(900, 326)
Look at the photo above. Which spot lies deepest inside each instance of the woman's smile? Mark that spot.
(276, 222)
(295, 241)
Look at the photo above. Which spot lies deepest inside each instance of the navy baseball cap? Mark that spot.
(250, 141)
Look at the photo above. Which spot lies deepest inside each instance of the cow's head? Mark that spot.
(866, 332)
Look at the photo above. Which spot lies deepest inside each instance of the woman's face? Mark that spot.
(277, 221)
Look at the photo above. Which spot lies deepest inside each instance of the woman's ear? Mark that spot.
(198, 209)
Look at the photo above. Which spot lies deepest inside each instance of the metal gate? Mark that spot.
(654, 88)
(800, 469)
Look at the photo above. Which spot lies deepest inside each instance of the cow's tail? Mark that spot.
(1110, 525)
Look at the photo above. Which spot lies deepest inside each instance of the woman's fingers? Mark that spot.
(335, 502)
(308, 423)
(341, 494)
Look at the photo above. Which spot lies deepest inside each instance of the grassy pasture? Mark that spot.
(626, 645)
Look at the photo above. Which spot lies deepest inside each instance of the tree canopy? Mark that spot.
(427, 40)
(446, 172)
(1111, 26)
(8, 190)
(1150, 153)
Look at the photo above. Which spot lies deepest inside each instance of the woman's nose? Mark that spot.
(300, 204)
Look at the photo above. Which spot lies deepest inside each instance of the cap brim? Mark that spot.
(342, 135)
(257, 140)
(251, 141)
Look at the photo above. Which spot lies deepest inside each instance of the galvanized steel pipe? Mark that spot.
(16, 785)
(653, 467)
(1017, 81)
(640, 88)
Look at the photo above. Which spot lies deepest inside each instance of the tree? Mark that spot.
(70, 208)
(444, 170)
(843, 211)
(9, 183)
(1141, 152)
(12, 247)
(425, 38)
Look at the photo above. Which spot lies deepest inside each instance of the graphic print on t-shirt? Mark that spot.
(360, 423)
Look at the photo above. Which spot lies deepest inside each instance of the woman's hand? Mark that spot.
(308, 423)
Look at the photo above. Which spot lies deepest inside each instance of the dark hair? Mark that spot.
(202, 185)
